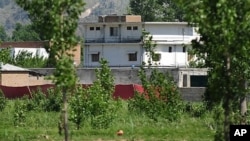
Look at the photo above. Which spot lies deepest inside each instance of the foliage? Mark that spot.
(36, 102)
(39, 125)
(3, 34)
(161, 97)
(23, 58)
(25, 33)
(224, 46)
(156, 10)
(5, 55)
(196, 109)
(3, 101)
(79, 111)
(102, 107)
(57, 22)
(19, 113)
(53, 100)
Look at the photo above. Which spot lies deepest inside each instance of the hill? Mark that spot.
(11, 13)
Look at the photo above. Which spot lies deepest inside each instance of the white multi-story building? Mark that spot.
(119, 40)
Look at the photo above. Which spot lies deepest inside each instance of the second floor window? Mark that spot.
(169, 49)
(113, 31)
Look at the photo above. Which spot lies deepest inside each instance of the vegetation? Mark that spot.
(23, 59)
(57, 22)
(43, 125)
(224, 46)
(156, 10)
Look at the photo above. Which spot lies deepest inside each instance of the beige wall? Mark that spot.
(15, 79)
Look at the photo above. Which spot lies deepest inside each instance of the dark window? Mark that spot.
(95, 57)
(169, 49)
(198, 81)
(184, 80)
(91, 28)
(129, 27)
(184, 49)
(113, 31)
(156, 57)
(97, 28)
(132, 56)
(135, 28)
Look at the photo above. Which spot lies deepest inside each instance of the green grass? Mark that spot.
(42, 126)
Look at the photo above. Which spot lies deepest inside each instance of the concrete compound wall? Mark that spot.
(130, 76)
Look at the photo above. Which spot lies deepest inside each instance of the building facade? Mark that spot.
(119, 40)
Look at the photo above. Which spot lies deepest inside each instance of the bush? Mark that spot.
(160, 98)
(195, 109)
(54, 100)
(19, 113)
(2, 101)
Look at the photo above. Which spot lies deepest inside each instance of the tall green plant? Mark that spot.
(224, 46)
(57, 22)
(161, 97)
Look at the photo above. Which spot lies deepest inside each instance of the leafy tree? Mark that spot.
(24, 33)
(156, 10)
(57, 21)
(224, 46)
(3, 34)
(5, 55)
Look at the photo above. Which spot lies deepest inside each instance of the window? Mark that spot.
(129, 28)
(113, 31)
(135, 28)
(169, 49)
(132, 56)
(95, 57)
(184, 49)
(156, 57)
(91, 28)
(97, 28)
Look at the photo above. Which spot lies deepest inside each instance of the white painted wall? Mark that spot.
(115, 54)
(165, 34)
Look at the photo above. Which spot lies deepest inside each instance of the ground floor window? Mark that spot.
(95, 57)
(132, 56)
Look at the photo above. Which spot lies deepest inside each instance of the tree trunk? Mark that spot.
(65, 115)
(243, 110)
(227, 103)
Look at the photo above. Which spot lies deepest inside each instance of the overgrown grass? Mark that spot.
(39, 126)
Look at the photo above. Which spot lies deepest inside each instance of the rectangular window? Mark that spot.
(135, 27)
(169, 49)
(184, 49)
(95, 57)
(113, 31)
(132, 56)
(91, 28)
(156, 57)
(129, 28)
(97, 28)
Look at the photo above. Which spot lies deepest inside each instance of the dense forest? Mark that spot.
(11, 13)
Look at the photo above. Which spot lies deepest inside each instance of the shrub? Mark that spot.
(160, 98)
(79, 111)
(19, 113)
(2, 101)
(54, 100)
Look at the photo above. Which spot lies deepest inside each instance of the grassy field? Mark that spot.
(43, 126)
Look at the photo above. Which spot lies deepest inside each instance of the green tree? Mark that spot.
(156, 10)
(3, 34)
(24, 33)
(224, 46)
(57, 21)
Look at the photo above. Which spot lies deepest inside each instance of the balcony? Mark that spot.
(113, 40)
